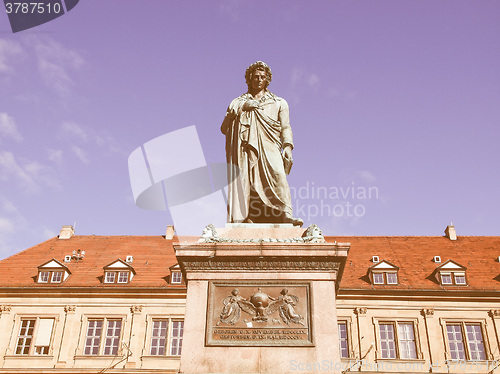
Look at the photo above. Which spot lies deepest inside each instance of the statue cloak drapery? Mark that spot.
(254, 141)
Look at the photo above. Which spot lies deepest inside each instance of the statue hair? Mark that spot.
(259, 65)
(310, 230)
(212, 228)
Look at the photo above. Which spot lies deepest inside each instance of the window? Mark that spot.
(176, 277)
(110, 277)
(117, 277)
(460, 279)
(385, 278)
(451, 273)
(159, 337)
(344, 349)
(446, 279)
(468, 346)
(383, 272)
(50, 276)
(57, 277)
(123, 277)
(111, 336)
(176, 338)
(453, 279)
(397, 340)
(52, 271)
(93, 338)
(378, 278)
(34, 336)
(43, 276)
(118, 271)
(166, 337)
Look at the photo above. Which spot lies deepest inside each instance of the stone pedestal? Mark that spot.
(260, 299)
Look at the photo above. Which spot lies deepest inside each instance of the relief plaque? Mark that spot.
(259, 314)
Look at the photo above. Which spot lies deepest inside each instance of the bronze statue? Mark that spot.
(259, 147)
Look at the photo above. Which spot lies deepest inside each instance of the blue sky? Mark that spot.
(400, 99)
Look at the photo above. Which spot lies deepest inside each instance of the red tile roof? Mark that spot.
(154, 255)
(414, 256)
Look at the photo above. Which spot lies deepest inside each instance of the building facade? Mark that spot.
(87, 304)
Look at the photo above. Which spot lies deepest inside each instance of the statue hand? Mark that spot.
(287, 159)
(250, 105)
(287, 153)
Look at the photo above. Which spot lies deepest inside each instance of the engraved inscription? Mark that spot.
(260, 334)
(261, 265)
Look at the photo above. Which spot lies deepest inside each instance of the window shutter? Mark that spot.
(44, 332)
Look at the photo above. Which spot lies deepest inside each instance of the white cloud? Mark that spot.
(10, 167)
(297, 74)
(8, 206)
(6, 225)
(55, 63)
(47, 233)
(71, 131)
(366, 176)
(8, 127)
(81, 154)
(313, 81)
(74, 135)
(28, 174)
(14, 225)
(300, 78)
(55, 155)
(8, 50)
(109, 143)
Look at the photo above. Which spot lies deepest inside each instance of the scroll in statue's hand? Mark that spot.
(250, 105)
(287, 159)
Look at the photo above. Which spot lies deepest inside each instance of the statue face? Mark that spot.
(259, 80)
(207, 232)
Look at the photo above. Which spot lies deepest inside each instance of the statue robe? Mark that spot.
(254, 141)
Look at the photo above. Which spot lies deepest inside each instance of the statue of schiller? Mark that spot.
(259, 146)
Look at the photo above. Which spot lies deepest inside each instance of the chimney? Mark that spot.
(450, 232)
(170, 232)
(66, 232)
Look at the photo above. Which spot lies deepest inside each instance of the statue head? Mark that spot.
(284, 291)
(209, 231)
(314, 231)
(235, 292)
(259, 65)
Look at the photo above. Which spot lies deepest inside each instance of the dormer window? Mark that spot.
(43, 276)
(451, 274)
(175, 274)
(57, 277)
(123, 276)
(450, 279)
(52, 272)
(110, 277)
(392, 278)
(118, 272)
(383, 272)
(460, 278)
(378, 278)
(176, 277)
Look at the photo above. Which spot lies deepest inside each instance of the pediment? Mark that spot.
(119, 265)
(384, 265)
(452, 266)
(53, 264)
